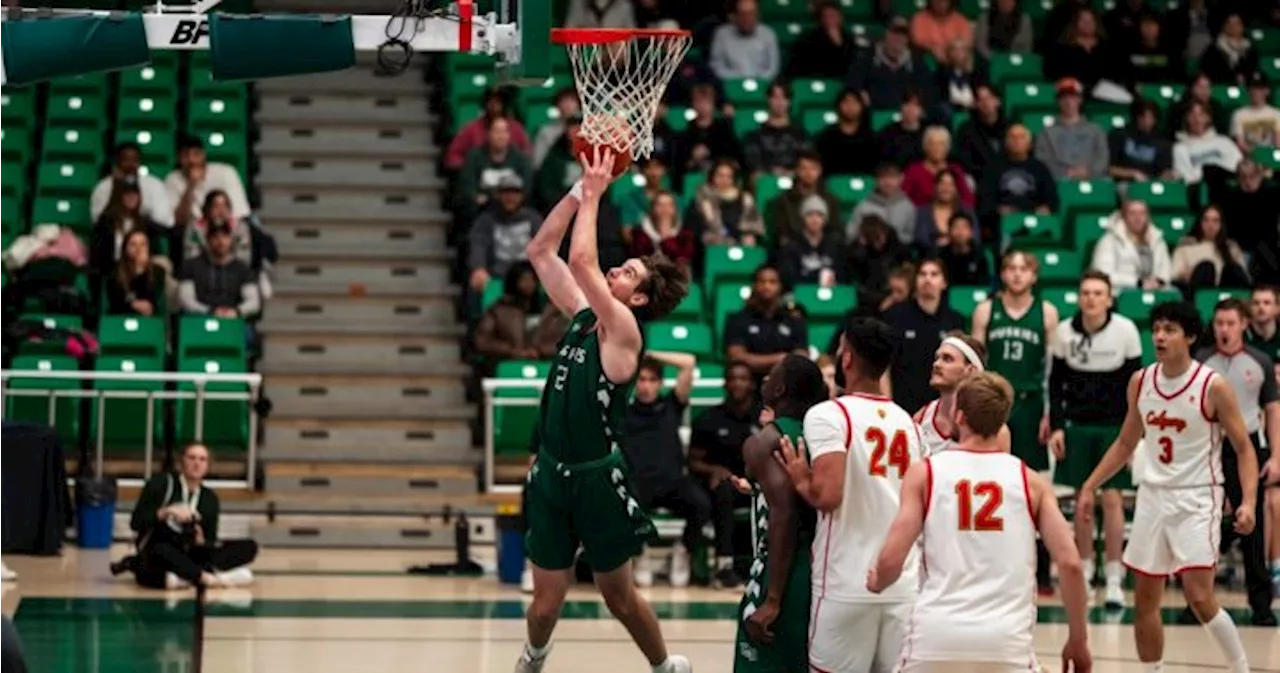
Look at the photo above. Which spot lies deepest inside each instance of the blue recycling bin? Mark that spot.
(510, 549)
(95, 512)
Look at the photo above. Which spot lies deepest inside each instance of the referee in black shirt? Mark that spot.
(921, 323)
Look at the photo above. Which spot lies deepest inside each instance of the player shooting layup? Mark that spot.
(1181, 408)
(577, 490)
(976, 508)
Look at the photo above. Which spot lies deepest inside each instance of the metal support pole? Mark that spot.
(53, 409)
(148, 447)
(102, 429)
(200, 411)
(252, 469)
(488, 441)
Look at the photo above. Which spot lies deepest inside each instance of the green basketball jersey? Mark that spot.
(1016, 349)
(582, 410)
(758, 579)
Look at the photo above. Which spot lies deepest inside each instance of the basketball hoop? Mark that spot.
(621, 75)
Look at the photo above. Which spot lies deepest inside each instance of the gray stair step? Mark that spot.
(324, 437)
(323, 353)
(410, 313)
(360, 80)
(308, 239)
(303, 140)
(328, 204)
(297, 326)
(372, 277)
(389, 532)
(344, 109)
(398, 174)
(362, 479)
(346, 396)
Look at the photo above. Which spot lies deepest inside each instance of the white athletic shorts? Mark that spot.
(1174, 530)
(856, 637)
(965, 667)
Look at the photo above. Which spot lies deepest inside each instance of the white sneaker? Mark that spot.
(173, 582)
(643, 571)
(7, 574)
(677, 664)
(1114, 597)
(679, 566)
(526, 581)
(236, 577)
(530, 664)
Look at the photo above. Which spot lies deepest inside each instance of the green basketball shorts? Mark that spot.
(1086, 445)
(1024, 430)
(789, 652)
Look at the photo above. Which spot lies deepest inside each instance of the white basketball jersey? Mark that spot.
(881, 441)
(977, 598)
(931, 439)
(1182, 447)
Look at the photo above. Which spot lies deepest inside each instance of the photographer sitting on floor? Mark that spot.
(176, 520)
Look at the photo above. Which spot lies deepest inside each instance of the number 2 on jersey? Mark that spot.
(1166, 450)
(895, 451)
(992, 497)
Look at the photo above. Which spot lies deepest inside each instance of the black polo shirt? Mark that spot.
(783, 332)
(919, 335)
(651, 443)
(1270, 347)
(721, 433)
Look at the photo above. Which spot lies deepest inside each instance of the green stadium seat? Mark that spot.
(203, 85)
(825, 304)
(1162, 95)
(1270, 67)
(870, 31)
(678, 117)
(1030, 228)
(217, 114)
(18, 106)
(1267, 157)
(708, 386)
(1230, 97)
(1109, 121)
(815, 93)
(94, 84)
(543, 93)
(15, 144)
(731, 263)
(1161, 196)
(691, 307)
(1065, 299)
(746, 120)
(965, 299)
(1148, 347)
(158, 143)
(228, 147)
(225, 422)
(68, 211)
(458, 62)
(1038, 120)
(132, 336)
(1080, 196)
(1265, 40)
(63, 414)
(1206, 300)
(746, 92)
(153, 79)
(883, 118)
(76, 110)
(693, 338)
(74, 144)
(66, 178)
(124, 419)
(814, 121)
(1136, 305)
(769, 186)
(1060, 267)
(1008, 68)
(820, 335)
(850, 190)
(48, 321)
(787, 31)
(857, 9)
(513, 425)
(207, 336)
(1022, 99)
(536, 116)
(1175, 227)
(492, 293)
(729, 299)
(692, 181)
(779, 9)
(1087, 229)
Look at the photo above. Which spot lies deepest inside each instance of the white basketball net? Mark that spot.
(620, 85)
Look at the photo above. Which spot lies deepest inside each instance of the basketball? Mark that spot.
(621, 159)
(612, 127)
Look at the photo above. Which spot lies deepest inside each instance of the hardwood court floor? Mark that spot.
(329, 611)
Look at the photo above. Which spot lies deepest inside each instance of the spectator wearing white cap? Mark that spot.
(817, 256)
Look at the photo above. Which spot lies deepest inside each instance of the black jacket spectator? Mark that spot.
(1140, 147)
(1057, 22)
(1232, 56)
(889, 70)
(873, 256)
(767, 328)
(136, 287)
(708, 137)
(1122, 21)
(499, 236)
(1017, 183)
(817, 255)
(1151, 57)
(966, 262)
(921, 323)
(1251, 208)
(901, 145)
(825, 50)
(217, 283)
(1004, 28)
(774, 148)
(1085, 54)
(980, 140)
(848, 147)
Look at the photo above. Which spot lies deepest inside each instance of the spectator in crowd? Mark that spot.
(958, 75)
(1151, 59)
(825, 50)
(1133, 252)
(933, 219)
(1251, 208)
(552, 325)
(767, 328)
(477, 132)
(1123, 21)
(902, 142)
(723, 211)
(138, 286)
(662, 231)
(1190, 28)
(920, 324)
(1258, 123)
(818, 255)
(1206, 258)
(1138, 151)
(600, 14)
(920, 177)
(1199, 90)
(708, 136)
(744, 47)
(652, 14)
(567, 107)
(980, 140)
(848, 147)
(488, 164)
(888, 202)
(499, 235)
(715, 455)
(1231, 57)
(217, 211)
(1203, 154)
(190, 183)
(1083, 54)
(1017, 183)
(120, 218)
(127, 158)
(937, 26)
(785, 214)
(506, 328)
(664, 137)
(1005, 27)
(873, 256)
(1264, 320)
(964, 258)
(1073, 147)
(559, 168)
(634, 204)
(218, 284)
(1057, 22)
(884, 74)
(775, 146)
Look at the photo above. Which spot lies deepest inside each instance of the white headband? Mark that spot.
(966, 350)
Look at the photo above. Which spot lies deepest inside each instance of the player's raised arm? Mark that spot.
(1223, 400)
(1121, 449)
(904, 530)
(1060, 540)
(544, 254)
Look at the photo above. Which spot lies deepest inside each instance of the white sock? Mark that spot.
(537, 652)
(663, 667)
(1223, 631)
(1089, 569)
(1115, 573)
(1152, 666)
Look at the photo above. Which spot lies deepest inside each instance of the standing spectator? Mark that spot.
(937, 26)
(715, 454)
(1150, 57)
(138, 286)
(889, 203)
(965, 260)
(1058, 22)
(559, 168)
(958, 75)
(1248, 205)
(567, 107)
(662, 231)
(848, 147)
(634, 204)
(745, 47)
(884, 74)
(818, 255)
(902, 141)
(188, 185)
(1139, 152)
(785, 214)
(487, 166)
(824, 51)
(1264, 329)
(920, 324)
(217, 211)
(1231, 57)
(980, 140)
(600, 14)
(1133, 252)
(1257, 124)
(125, 168)
(1083, 54)
(499, 236)
(506, 329)
(775, 146)
(1122, 21)
(1206, 258)
(1004, 28)
(1073, 147)
(1190, 29)
(1201, 153)
(723, 211)
(107, 240)
(766, 329)
(1017, 183)
(218, 284)
(919, 179)
(933, 219)
(708, 137)
(477, 131)
(873, 256)
(1199, 90)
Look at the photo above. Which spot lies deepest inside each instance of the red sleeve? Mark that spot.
(470, 136)
(681, 247)
(916, 183)
(641, 244)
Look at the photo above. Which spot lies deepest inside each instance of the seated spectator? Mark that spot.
(902, 142)
(1133, 252)
(965, 259)
(552, 325)
(176, 520)
(1199, 90)
(218, 284)
(1251, 200)
(633, 204)
(873, 256)
(767, 328)
(477, 132)
(1206, 258)
(138, 286)
(937, 26)
(559, 168)
(785, 215)
(1203, 154)
(506, 329)
(919, 178)
(127, 158)
(190, 184)
(824, 51)
(1258, 123)
(884, 74)
(848, 147)
(933, 219)
(920, 324)
(723, 211)
(1073, 147)
(600, 14)
(707, 138)
(887, 202)
(118, 220)
(1190, 28)
(1018, 182)
(1005, 27)
(744, 47)
(818, 256)
(567, 107)
(1231, 57)
(216, 210)
(499, 236)
(959, 73)
(1139, 152)
(1123, 21)
(1151, 58)
(775, 146)
(662, 231)
(980, 140)
(1084, 54)
(487, 165)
